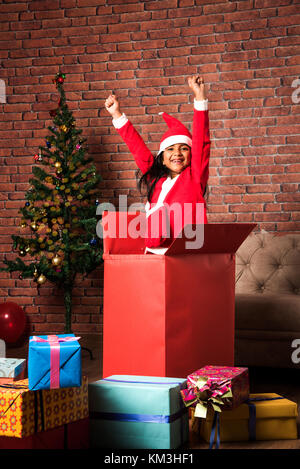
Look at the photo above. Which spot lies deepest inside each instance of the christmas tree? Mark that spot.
(59, 216)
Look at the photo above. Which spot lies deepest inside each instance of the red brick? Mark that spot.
(284, 21)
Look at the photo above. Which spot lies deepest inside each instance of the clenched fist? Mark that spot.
(113, 106)
(196, 83)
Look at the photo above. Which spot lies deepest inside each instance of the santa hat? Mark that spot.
(177, 133)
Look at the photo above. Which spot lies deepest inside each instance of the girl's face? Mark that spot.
(176, 158)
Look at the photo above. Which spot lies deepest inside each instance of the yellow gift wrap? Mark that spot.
(24, 412)
(273, 418)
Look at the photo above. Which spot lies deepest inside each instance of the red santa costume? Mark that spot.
(175, 201)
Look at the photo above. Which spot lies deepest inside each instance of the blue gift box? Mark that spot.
(54, 362)
(129, 411)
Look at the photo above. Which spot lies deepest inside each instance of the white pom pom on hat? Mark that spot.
(177, 133)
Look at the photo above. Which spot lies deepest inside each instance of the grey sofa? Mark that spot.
(267, 302)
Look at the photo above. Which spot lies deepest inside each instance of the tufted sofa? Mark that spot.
(267, 300)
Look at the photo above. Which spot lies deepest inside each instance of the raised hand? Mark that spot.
(112, 105)
(196, 83)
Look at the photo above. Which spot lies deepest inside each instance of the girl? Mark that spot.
(176, 178)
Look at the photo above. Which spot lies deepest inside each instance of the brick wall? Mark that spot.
(248, 52)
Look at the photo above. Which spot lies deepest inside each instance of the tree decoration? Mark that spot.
(59, 214)
(41, 279)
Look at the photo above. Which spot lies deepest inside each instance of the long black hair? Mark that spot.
(149, 179)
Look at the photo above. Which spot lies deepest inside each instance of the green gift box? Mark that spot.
(128, 411)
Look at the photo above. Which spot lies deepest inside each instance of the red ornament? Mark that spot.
(12, 322)
(36, 157)
(60, 80)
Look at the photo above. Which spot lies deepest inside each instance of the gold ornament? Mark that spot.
(23, 224)
(41, 279)
(56, 260)
(35, 272)
(64, 128)
(34, 226)
(57, 164)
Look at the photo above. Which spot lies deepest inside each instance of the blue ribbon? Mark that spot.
(215, 426)
(148, 418)
(252, 413)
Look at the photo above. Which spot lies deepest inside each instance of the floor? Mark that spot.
(281, 381)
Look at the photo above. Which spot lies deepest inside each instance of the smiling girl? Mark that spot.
(177, 175)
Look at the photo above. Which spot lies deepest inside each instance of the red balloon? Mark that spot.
(12, 322)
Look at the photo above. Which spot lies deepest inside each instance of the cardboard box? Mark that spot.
(274, 418)
(54, 361)
(137, 412)
(24, 412)
(167, 315)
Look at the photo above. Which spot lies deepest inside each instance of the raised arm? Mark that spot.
(138, 148)
(201, 139)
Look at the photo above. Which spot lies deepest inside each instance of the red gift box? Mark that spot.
(166, 315)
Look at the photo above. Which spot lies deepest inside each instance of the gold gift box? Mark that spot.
(24, 412)
(276, 419)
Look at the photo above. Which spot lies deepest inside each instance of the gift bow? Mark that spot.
(54, 342)
(205, 391)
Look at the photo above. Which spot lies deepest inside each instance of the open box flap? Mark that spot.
(216, 237)
(116, 239)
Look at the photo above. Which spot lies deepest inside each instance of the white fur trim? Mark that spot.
(201, 105)
(174, 139)
(118, 123)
